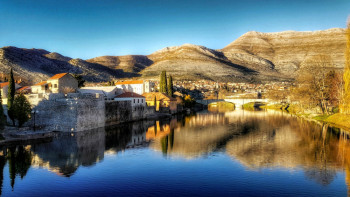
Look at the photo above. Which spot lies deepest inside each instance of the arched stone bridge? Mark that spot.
(237, 101)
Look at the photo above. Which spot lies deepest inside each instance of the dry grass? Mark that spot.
(341, 120)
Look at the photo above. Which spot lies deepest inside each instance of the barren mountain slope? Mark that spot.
(128, 63)
(33, 65)
(287, 50)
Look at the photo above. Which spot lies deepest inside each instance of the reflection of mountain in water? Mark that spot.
(200, 135)
(289, 144)
(255, 139)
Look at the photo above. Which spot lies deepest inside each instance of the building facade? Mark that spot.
(109, 92)
(162, 101)
(59, 83)
(138, 86)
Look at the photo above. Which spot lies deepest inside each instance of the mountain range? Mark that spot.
(253, 57)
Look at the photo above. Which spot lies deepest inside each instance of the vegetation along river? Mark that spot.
(222, 153)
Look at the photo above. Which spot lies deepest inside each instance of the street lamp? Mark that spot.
(34, 112)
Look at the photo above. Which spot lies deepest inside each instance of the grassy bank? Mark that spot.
(253, 106)
(221, 106)
(338, 119)
(248, 106)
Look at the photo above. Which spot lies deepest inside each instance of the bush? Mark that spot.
(21, 109)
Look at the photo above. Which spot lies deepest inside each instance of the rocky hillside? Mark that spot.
(197, 62)
(128, 63)
(253, 57)
(33, 65)
(286, 51)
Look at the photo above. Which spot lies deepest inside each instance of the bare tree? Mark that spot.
(313, 84)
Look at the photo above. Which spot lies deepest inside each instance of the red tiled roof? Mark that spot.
(58, 76)
(4, 84)
(129, 95)
(129, 82)
(41, 83)
(23, 88)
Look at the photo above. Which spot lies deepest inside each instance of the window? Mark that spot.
(141, 100)
(134, 100)
(55, 85)
(138, 100)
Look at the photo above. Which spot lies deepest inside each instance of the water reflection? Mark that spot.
(257, 140)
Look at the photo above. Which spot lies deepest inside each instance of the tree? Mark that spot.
(79, 78)
(2, 116)
(11, 97)
(345, 107)
(163, 83)
(170, 86)
(155, 102)
(313, 85)
(335, 87)
(189, 101)
(22, 109)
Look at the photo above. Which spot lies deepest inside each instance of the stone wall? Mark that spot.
(78, 112)
(71, 113)
(118, 112)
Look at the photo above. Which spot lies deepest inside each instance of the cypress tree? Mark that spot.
(170, 86)
(2, 117)
(163, 83)
(155, 101)
(11, 97)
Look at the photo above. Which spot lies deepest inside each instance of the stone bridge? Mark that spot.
(237, 101)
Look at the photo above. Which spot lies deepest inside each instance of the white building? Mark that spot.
(4, 88)
(138, 102)
(109, 92)
(138, 87)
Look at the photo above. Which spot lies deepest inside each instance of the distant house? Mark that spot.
(109, 92)
(40, 88)
(4, 88)
(138, 102)
(163, 101)
(25, 90)
(63, 83)
(59, 83)
(138, 87)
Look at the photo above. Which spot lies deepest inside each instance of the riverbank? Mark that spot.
(337, 119)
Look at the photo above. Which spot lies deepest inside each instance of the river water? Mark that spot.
(232, 153)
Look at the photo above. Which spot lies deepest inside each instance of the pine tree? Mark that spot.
(2, 116)
(163, 83)
(170, 86)
(345, 107)
(11, 97)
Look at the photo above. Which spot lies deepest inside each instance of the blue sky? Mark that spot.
(91, 28)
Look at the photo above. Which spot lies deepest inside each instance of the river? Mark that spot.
(226, 153)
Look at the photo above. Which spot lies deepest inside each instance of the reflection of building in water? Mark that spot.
(206, 120)
(120, 137)
(160, 129)
(67, 152)
(138, 136)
